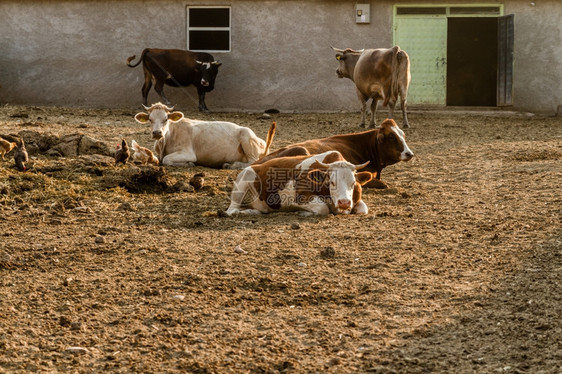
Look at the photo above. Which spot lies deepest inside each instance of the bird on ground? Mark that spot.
(123, 153)
(20, 156)
(197, 181)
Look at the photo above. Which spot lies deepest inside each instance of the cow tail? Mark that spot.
(395, 73)
(133, 57)
(269, 139)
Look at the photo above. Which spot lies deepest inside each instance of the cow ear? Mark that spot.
(175, 116)
(142, 117)
(339, 56)
(363, 177)
(317, 176)
(380, 137)
(216, 63)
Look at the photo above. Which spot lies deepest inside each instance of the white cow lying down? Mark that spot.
(186, 142)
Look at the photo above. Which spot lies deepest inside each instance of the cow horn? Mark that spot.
(147, 108)
(357, 167)
(216, 63)
(337, 49)
(170, 109)
(323, 164)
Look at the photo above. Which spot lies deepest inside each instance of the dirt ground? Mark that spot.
(456, 268)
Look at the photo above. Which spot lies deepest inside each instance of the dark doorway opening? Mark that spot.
(472, 61)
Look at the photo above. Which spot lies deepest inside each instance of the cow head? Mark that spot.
(209, 71)
(347, 58)
(341, 178)
(392, 143)
(159, 116)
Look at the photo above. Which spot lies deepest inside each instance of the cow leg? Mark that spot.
(377, 182)
(316, 206)
(360, 208)
(236, 165)
(146, 86)
(202, 106)
(159, 88)
(374, 103)
(252, 146)
(403, 107)
(244, 194)
(180, 159)
(363, 101)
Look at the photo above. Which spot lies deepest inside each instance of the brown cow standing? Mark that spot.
(379, 74)
(177, 68)
(382, 147)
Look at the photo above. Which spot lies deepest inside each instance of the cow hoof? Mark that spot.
(222, 213)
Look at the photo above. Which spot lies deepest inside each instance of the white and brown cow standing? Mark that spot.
(186, 142)
(314, 185)
(381, 147)
(378, 74)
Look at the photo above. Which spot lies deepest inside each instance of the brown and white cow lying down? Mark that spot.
(378, 74)
(186, 142)
(314, 185)
(381, 147)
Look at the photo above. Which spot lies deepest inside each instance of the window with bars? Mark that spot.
(208, 29)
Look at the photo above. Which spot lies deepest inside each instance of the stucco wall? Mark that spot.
(74, 52)
(537, 72)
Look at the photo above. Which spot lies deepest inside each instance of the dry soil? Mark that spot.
(456, 268)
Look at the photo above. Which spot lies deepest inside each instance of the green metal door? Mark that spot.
(425, 41)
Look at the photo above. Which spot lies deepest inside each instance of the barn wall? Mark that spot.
(74, 52)
(538, 55)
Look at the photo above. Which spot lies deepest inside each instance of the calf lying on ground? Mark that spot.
(381, 146)
(186, 142)
(315, 185)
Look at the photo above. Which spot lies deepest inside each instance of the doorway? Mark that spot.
(460, 55)
(472, 61)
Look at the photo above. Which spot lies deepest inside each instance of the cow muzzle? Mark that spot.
(406, 156)
(157, 134)
(339, 74)
(204, 83)
(344, 204)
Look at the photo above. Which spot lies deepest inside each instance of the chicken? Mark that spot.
(6, 146)
(122, 154)
(142, 154)
(197, 181)
(20, 156)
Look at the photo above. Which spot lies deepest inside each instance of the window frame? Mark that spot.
(214, 28)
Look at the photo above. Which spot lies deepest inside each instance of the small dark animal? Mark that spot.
(20, 156)
(197, 181)
(123, 153)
